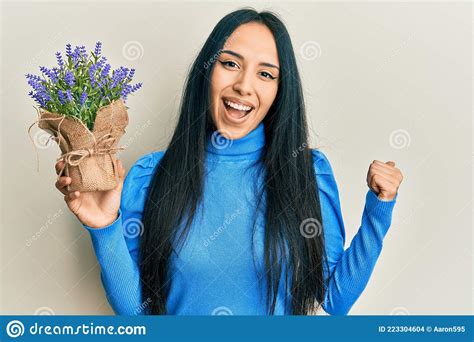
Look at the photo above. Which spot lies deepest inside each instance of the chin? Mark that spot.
(231, 131)
(234, 131)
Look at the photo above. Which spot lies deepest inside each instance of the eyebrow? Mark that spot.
(230, 52)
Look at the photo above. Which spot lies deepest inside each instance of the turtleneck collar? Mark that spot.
(249, 146)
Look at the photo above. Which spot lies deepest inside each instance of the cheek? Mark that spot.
(267, 96)
(219, 81)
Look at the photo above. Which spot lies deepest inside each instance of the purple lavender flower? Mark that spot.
(69, 95)
(98, 48)
(92, 74)
(55, 75)
(83, 98)
(69, 78)
(45, 71)
(33, 95)
(39, 99)
(128, 89)
(68, 50)
(50, 73)
(132, 73)
(101, 63)
(124, 71)
(106, 84)
(136, 87)
(60, 59)
(35, 82)
(34, 78)
(106, 70)
(118, 76)
(76, 55)
(61, 97)
(83, 51)
(40, 93)
(46, 96)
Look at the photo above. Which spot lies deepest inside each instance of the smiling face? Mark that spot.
(244, 81)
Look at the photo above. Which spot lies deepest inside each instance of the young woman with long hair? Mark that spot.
(238, 215)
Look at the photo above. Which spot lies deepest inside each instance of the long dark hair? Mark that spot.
(288, 196)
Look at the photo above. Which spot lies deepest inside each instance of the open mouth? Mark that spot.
(236, 111)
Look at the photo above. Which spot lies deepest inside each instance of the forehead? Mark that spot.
(253, 41)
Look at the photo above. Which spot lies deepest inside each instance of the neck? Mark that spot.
(249, 146)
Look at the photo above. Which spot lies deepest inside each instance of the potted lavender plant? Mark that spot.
(81, 102)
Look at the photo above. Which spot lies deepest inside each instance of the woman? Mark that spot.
(237, 215)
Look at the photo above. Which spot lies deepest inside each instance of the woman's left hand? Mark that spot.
(384, 179)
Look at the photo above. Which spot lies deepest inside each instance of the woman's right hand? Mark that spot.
(96, 209)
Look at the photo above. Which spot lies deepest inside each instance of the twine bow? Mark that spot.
(75, 157)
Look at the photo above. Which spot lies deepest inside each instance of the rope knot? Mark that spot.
(101, 146)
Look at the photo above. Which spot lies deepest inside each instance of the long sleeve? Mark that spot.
(350, 269)
(116, 245)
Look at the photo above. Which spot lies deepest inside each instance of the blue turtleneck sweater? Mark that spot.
(214, 272)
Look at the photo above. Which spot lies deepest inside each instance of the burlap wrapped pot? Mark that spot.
(89, 156)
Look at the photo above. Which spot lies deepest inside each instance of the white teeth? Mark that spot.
(237, 106)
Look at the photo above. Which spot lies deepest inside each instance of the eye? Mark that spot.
(267, 75)
(228, 63)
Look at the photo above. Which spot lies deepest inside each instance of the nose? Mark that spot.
(243, 84)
